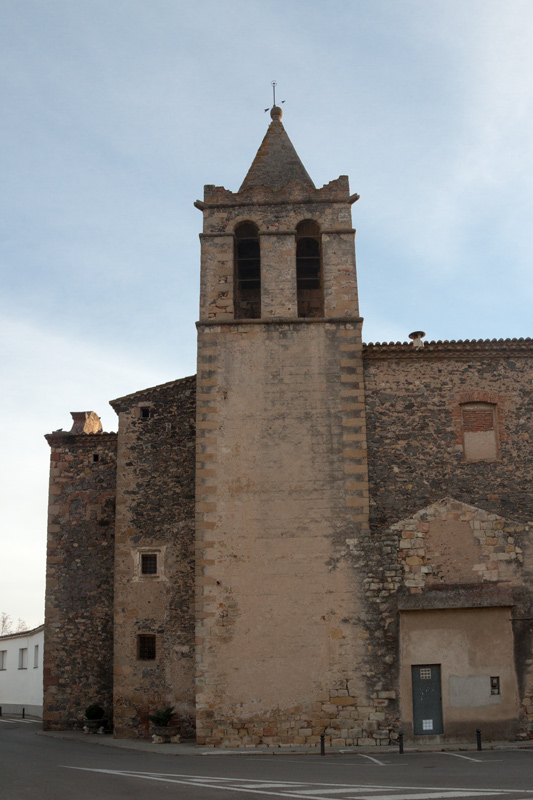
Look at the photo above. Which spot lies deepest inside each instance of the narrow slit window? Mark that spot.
(146, 647)
(247, 284)
(96, 457)
(23, 658)
(35, 656)
(309, 279)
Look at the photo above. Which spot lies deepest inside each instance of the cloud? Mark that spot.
(46, 375)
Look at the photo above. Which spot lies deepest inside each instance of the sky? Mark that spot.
(115, 115)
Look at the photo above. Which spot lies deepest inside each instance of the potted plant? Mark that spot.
(94, 721)
(162, 730)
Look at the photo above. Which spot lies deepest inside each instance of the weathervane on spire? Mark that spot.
(275, 111)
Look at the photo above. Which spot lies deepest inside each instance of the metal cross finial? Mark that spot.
(273, 84)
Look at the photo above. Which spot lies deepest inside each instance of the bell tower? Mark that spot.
(282, 486)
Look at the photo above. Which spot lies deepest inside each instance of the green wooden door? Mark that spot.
(427, 699)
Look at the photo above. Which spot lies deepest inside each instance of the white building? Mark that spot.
(21, 672)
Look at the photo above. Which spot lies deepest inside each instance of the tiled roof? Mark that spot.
(277, 163)
(460, 348)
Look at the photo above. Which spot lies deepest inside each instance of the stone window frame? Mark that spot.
(455, 403)
(138, 410)
(496, 428)
(160, 552)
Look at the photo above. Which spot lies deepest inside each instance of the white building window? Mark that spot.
(3, 659)
(23, 658)
(36, 656)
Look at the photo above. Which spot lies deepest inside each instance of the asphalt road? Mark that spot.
(40, 767)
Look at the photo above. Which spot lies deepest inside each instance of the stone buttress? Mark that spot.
(78, 648)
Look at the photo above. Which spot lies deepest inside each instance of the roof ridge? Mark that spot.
(445, 342)
(156, 388)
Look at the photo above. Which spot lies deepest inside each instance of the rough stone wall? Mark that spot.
(155, 515)
(413, 401)
(418, 540)
(78, 652)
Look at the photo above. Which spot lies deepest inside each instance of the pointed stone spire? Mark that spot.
(277, 163)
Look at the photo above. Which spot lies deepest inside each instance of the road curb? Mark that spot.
(191, 749)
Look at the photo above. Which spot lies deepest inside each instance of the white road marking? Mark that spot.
(338, 790)
(218, 752)
(375, 760)
(311, 791)
(425, 795)
(9, 721)
(467, 758)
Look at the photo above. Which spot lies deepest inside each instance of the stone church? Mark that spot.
(312, 535)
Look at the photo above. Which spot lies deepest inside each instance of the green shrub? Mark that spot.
(162, 717)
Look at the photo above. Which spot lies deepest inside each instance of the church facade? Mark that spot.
(312, 535)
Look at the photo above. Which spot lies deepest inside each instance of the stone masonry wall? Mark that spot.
(78, 654)
(436, 519)
(415, 446)
(281, 487)
(155, 515)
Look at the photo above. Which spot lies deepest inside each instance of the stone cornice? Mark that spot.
(460, 349)
(479, 595)
(280, 321)
(61, 438)
(328, 231)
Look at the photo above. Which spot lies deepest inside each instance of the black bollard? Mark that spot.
(478, 737)
(23, 711)
(400, 741)
(0, 711)
(322, 744)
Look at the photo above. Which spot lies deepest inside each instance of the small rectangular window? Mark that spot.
(146, 647)
(495, 685)
(36, 656)
(96, 457)
(3, 659)
(149, 563)
(145, 412)
(480, 440)
(425, 673)
(23, 658)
